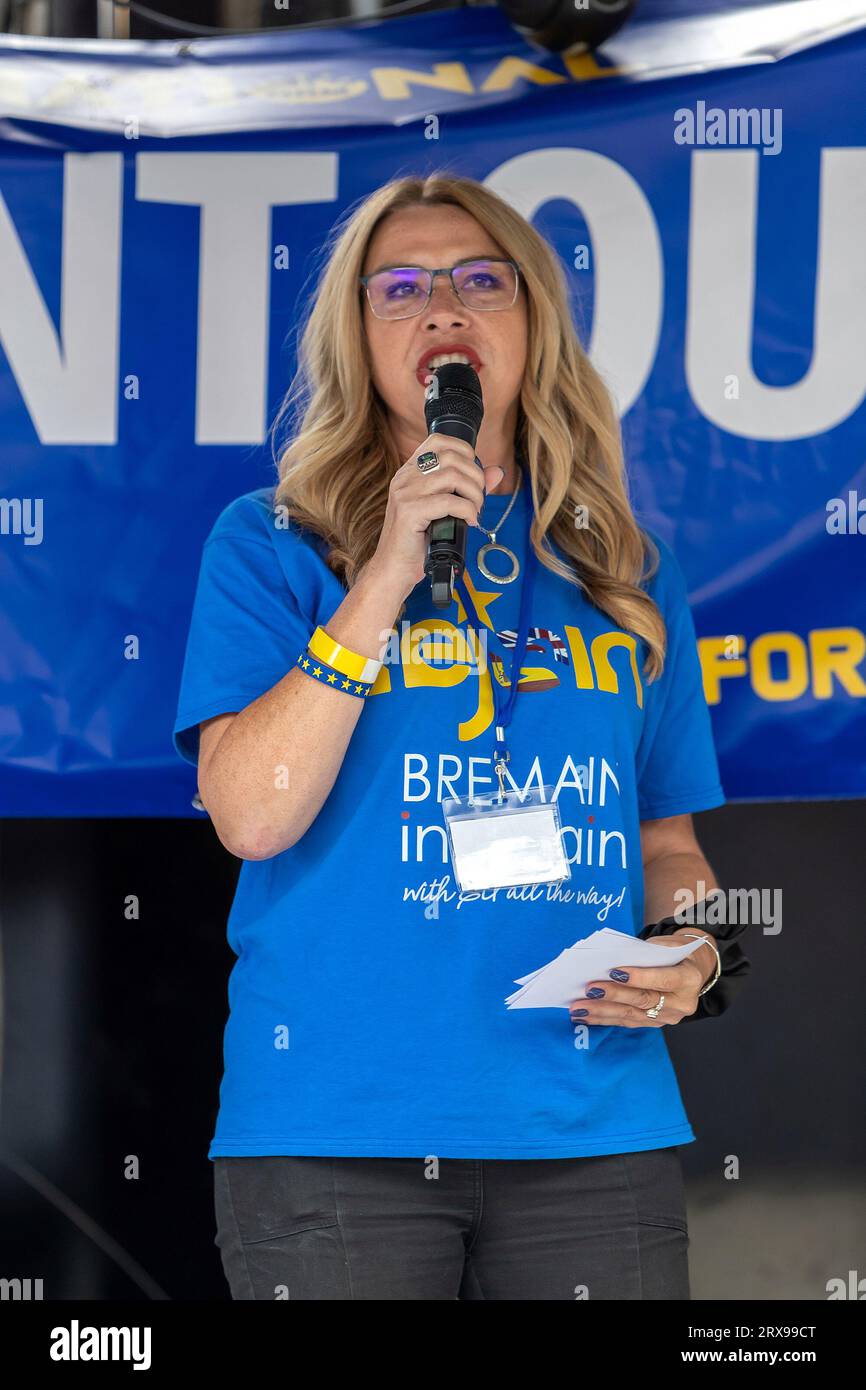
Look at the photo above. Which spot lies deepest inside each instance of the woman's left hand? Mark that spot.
(625, 1001)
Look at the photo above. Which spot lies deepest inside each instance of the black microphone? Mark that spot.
(452, 406)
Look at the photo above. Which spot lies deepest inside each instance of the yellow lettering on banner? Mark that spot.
(510, 70)
(833, 654)
(837, 651)
(395, 84)
(764, 684)
(584, 67)
(716, 665)
(605, 674)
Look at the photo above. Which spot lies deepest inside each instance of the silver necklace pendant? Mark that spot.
(493, 544)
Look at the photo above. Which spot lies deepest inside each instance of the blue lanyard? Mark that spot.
(503, 705)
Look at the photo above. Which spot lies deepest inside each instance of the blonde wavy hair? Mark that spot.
(335, 472)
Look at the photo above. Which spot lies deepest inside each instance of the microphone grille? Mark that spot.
(455, 391)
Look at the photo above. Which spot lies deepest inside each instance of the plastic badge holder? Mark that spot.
(506, 841)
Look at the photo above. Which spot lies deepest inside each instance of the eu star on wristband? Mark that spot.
(327, 675)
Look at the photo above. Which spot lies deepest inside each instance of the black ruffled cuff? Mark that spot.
(735, 964)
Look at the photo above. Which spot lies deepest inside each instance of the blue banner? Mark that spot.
(162, 210)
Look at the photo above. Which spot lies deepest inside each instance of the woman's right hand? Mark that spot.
(415, 499)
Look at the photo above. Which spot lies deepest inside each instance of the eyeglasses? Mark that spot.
(400, 291)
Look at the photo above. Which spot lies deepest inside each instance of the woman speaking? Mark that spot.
(388, 1128)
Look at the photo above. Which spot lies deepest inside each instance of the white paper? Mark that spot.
(555, 985)
(501, 851)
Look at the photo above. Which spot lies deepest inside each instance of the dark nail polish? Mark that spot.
(619, 975)
(595, 993)
(577, 1013)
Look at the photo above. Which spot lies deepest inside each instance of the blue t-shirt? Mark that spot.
(367, 1011)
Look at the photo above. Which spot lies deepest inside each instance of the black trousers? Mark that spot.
(608, 1227)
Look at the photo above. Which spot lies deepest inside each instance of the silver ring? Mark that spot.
(428, 462)
(657, 1008)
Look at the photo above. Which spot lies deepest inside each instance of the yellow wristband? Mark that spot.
(343, 659)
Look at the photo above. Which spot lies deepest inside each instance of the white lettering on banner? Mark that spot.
(68, 373)
(68, 379)
(628, 292)
(721, 298)
(236, 193)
